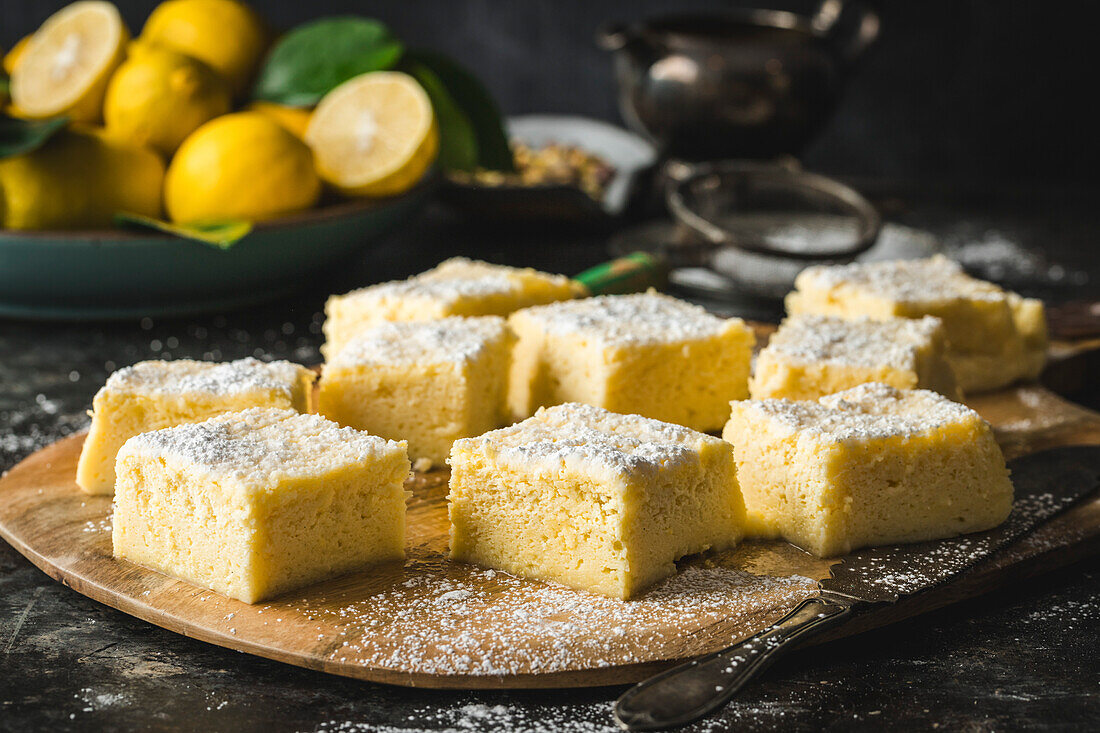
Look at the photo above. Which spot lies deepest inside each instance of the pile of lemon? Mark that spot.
(153, 129)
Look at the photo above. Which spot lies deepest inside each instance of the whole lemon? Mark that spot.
(240, 166)
(294, 119)
(225, 34)
(159, 96)
(80, 178)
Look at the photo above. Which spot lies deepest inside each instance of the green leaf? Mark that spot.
(22, 136)
(471, 97)
(5, 84)
(221, 234)
(315, 57)
(457, 139)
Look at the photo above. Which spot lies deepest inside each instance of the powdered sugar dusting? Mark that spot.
(866, 412)
(588, 439)
(453, 280)
(908, 281)
(185, 376)
(448, 340)
(259, 445)
(621, 320)
(860, 341)
(490, 623)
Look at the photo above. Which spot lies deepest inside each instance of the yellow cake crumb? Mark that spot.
(811, 356)
(995, 337)
(455, 287)
(871, 465)
(591, 499)
(256, 503)
(646, 354)
(158, 394)
(426, 382)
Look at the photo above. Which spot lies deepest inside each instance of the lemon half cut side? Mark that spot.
(66, 64)
(374, 135)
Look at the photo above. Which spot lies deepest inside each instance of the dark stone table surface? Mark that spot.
(1023, 658)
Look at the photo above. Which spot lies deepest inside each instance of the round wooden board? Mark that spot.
(433, 623)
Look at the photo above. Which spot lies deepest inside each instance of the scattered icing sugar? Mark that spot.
(641, 318)
(885, 573)
(185, 376)
(435, 624)
(994, 255)
(103, 524)
(859, 341)
(908, 281)
(586, 438)
(866, 412)
(261, 444)
(455, 339)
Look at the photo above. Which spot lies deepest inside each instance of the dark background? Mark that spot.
(956, 90)
(978, 96)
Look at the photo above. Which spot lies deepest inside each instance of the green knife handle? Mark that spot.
(691, 691)
(632, 273)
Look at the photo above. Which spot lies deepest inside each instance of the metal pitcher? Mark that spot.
(741, 84)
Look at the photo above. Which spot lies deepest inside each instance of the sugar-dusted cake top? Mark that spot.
(456, 339)
(908, 281)
(261, 445)
(854, 341)
(459, 278)
(184, 376)
(623, 320)
(591, 440)
(869, 411)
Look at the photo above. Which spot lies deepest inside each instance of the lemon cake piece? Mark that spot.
(455, 287)
(256, 503)
(158, 394)
(597, 501)
(427, 382)
(995, 337)
(811, 356)
(872, 465)
(647, 354)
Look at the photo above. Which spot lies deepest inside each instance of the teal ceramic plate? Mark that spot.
(114, 274)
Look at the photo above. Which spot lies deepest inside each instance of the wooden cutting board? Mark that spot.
(433, 623)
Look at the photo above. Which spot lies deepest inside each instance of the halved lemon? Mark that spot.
(11, 58)
(66, 64)
(374, 135)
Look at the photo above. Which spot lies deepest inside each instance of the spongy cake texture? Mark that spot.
(158, 394)
(259, 502)
(427, 382)
(811, 356)
(591, 499)
(455, 287)
(868, 466)
(995, 337)
(646, 354)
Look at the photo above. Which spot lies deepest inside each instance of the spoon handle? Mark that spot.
(691, 691)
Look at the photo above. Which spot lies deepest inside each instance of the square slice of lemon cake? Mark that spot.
(594, 500)
(256, 503)
(455, 287)
(427, 382)
(811, 356)
(995, 337)
(158, 394)
(872, 465)
(646, 354)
